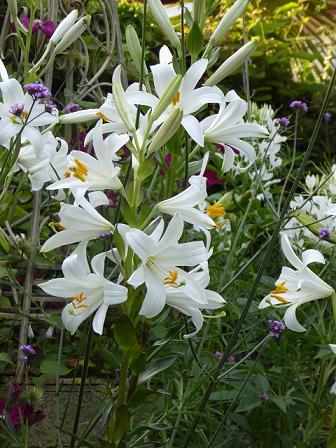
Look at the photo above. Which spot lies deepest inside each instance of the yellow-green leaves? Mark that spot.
(195, 40)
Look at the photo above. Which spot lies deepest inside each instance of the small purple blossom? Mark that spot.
(105, 235)
(275, 327)
(48, 28)
(264, 397)
(325, 233)
(72, 107)
(299, 105)
(38, 90)
(25, 359)
(282, 122)
(16, 109)
(28, 349)
(25, 21)
(218, 354)
(327, 117)
(50, 107)
(232, 359)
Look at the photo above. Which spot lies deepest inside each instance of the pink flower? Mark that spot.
(212, 179)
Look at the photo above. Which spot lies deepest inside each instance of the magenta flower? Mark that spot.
(212, 179)
(48, 28)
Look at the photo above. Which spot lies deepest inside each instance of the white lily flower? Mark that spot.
(332, 210)
(295, 287)
(19, 110)
(190, 203)
(77, 223)
(227, 128)
(90, 291)
(94, 173)
(46, 163)
(188, 98)
(160, 254)
(179, 299)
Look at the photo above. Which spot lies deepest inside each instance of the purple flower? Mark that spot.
(36, 26)
(217, 354)
(112, 197)
(72, 107)
(48, 28)
(282, 122)
(28, 349)
(232, 359)
(38, 90)
(16, 109)
(264, 397)
(212, 178)
(299, 105)
(50, 107)
(25, 21)
(105, 235)
(25, 360)
(327, 116)
(324, 232)
(275, 327)
(24, 413)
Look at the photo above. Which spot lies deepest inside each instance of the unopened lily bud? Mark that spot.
(168, 96)
(162, 19)
(81, 116)
(72, 34)
(13, 9)
(120, 100)
(316, 228)
(64, 27)
(198, 12)
(232, 63)
(228, 20)
(135, 49)
(30, 333)
(166, 131)
(49, 333)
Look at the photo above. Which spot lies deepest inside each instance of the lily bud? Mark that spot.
(228, 20)
(72, 34)
(49, 332)
(120, 100)
(135, 49)
(162, 19)
(30, 333)
(232, 63)
(167, 97)
(312, 225)
(166, 131)
(64, 26)
(13, 9)
(198, 12)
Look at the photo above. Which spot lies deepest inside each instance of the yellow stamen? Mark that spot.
(219, 225)
(57, 226)
(79, 171)
(103, 117)
(24, 114)
(171, 280)
(77, 301)
(215, 210)
(279, 289)
(176, 98)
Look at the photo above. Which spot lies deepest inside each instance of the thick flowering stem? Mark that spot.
(333, 299)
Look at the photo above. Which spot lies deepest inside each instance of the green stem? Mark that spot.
(123, 380)
(264, 263)
(82, 384)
